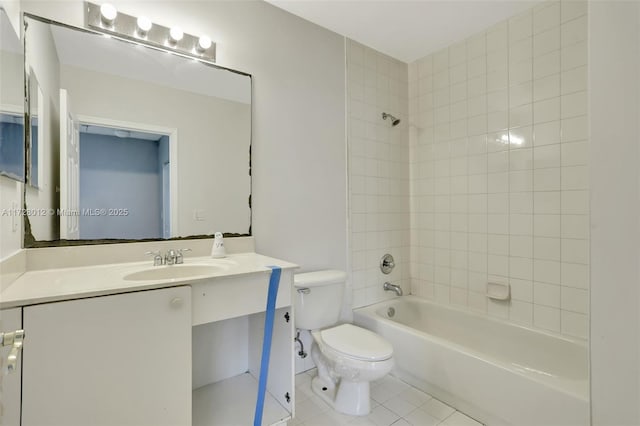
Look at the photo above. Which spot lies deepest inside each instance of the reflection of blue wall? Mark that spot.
(12, 150)
(120, 173)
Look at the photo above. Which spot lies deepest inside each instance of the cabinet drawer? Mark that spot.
(225, 298)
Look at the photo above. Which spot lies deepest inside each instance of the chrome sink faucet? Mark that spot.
(392, 287)
(158, 260)
(172, 257)
(180, 256)
(175, 257)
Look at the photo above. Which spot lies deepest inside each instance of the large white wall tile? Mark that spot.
(574, 31)
(573, 9)
(573, 56)
(547, 318)
(546, 225)
(546, 42)
(502, 193)
(546, 64)
(546, 17)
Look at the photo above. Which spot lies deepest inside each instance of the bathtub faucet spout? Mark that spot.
(392, 287)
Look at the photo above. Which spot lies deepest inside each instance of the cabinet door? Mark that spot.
(10, 320)
(114, 360)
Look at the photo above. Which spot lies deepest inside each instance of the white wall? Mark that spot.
(10, 224)
(500, 170)
(11, 83)
(614, 67)
(299, 160)
(13, 9)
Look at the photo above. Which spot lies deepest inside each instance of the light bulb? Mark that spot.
(176, 34)
(108, 13)
(204, 43)
(144, 25)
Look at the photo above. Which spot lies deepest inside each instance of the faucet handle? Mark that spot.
(157, 257)
(180, 255)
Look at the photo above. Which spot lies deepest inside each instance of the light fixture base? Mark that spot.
(126, 27)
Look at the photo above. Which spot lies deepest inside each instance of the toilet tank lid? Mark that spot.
(319, 278)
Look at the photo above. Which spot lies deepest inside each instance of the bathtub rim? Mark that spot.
(582, 393)
(370, 308)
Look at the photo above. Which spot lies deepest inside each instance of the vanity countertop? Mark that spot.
(50, 285)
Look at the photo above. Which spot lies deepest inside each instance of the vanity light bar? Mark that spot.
(107, 19)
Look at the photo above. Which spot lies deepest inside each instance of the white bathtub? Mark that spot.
(498, 373)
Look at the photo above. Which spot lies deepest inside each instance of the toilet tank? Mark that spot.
(318, 298)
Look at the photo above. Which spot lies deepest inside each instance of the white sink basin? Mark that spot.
(156, 273)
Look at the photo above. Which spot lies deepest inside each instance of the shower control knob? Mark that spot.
(387, 264)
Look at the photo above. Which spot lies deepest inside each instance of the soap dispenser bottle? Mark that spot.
(218, 249)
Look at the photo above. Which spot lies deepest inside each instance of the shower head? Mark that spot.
(394, 121)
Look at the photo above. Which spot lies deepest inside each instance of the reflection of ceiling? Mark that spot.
(116, 57)
(8, 38)
(405, 30)
(119, 133)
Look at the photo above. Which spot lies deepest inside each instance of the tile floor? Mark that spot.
(393, 403)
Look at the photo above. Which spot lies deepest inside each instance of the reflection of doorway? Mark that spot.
(166, 201)
(123, 187)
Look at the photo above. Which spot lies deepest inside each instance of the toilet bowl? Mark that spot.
(348, 357)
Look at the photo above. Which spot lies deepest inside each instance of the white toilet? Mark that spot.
(348, 357)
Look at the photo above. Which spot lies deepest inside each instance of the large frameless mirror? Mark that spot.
(132, 142)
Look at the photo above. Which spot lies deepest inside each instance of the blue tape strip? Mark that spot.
(274, 281)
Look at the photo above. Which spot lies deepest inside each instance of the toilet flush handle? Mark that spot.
(304, 290)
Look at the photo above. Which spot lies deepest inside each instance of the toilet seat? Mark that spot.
(356, 343)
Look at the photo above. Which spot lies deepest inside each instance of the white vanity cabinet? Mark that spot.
(10, 321)
(102, 350)
(123, 359)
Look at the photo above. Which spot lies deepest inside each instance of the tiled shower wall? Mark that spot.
(499, 173)
(378, 171)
